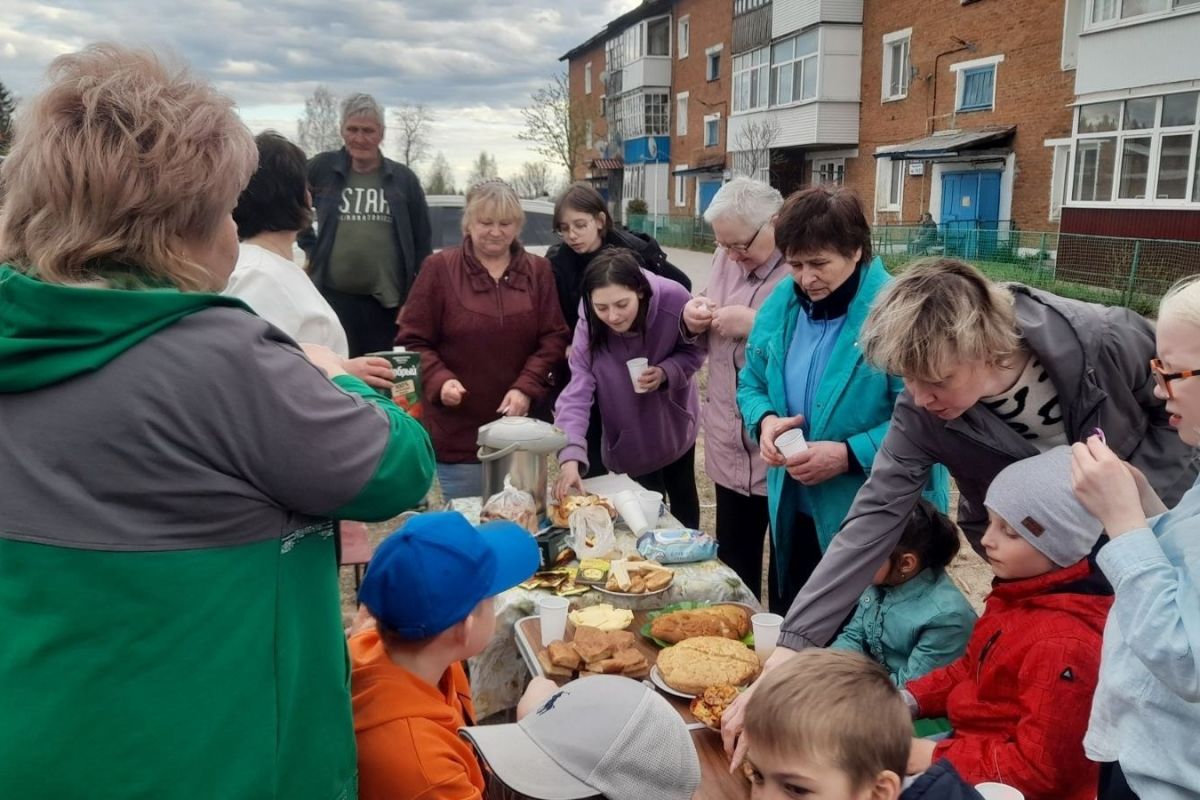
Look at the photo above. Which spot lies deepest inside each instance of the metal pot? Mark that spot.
(516, 448)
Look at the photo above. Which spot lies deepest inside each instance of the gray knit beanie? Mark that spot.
(1034, 496)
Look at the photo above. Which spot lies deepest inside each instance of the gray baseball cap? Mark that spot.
(605, 735)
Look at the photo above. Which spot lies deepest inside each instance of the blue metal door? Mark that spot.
(708, 190)
(970, 212)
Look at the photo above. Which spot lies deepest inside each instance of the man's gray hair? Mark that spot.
(751, 201)
(362, 105)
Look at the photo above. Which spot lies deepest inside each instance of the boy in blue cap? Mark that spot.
(430, 587)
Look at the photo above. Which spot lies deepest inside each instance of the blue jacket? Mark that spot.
(940, 782)
(1146, 710)
(852, 404)
(912, 629)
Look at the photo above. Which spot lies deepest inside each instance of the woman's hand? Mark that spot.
(920, 757)
(733, 322)
(453, 393)
(768, 429)
(1152, 504)
(1106, 488)
(569, 483)
(652, 378)
(733, 721)
(373, 370)
(820, 462)
(324, 358)
(514, 404)
(698, 315)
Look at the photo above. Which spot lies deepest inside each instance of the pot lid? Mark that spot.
(531, 435)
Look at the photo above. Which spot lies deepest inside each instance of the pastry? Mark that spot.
(592, 651)
(709, 707)
(564, 655)
(560, 515)
(696, 664)
(727, 621)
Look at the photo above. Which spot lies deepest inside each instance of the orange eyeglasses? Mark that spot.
(1164, 378)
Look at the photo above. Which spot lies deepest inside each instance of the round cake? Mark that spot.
(695, 664)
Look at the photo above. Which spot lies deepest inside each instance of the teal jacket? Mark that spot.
(911, 629)
(853, 404)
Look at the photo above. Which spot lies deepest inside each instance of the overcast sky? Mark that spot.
(474, 62)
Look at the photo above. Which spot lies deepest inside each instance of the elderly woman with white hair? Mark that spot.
(485, 318)
(746, 268)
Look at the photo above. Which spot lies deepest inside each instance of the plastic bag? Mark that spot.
(677, 546)
(513, 504)
(592, 532)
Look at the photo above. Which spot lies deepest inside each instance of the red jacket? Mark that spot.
(490, 335)
(1020, 697)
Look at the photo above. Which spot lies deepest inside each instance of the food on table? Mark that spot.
(511, 504)
(695, 664)
(593, 651)
(602, 617)
(560, 580)
(593, 570)
(560, 515)
(709, 706)
(638, 577)
(727, 621)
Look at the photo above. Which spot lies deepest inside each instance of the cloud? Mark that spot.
(474, 62)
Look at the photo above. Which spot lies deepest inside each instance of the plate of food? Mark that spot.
(633, 578)
(602, 616)
(710, 706)
(596, 652)
(560, 513)
(694, 665)
(689, 619)
(657, 679)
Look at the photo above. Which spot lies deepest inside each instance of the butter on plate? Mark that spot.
(602, 616)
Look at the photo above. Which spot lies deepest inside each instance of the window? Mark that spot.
(794, 69)
(1058, 175)
(889, 184)
(712, 130)
(1143, 151)
(658, 37)
(604, 105)
(712, 62)
(641, 114)
(897, 68)
(680, 191)
(588, 133)
(684, 36)
(681, 114)
(587, 78)
(976, 83)
(829, 171)
(1108, 11)
(751, 79)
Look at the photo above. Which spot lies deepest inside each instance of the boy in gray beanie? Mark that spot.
(1019, 699)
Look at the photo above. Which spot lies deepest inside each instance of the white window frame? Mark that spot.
(709, 52)
(684, 36)
(891, 41)
(1174, 8)
(837, 166)
(587, 78)
(588, 133)
(745, 77)
(681, 190)
(810, 61)
(962, 67)
(708, 118)
(885, 175)
(681, 114)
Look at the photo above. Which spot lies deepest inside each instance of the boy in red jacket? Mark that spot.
(1019, 699)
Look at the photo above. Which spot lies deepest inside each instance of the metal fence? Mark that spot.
(1101, 269)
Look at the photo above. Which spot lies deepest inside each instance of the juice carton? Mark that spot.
(406, 370)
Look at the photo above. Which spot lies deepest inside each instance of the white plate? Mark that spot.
(611, 593)
(656, 678)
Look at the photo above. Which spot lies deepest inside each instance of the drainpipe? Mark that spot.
(963, 45)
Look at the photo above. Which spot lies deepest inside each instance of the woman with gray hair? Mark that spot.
(485, 318)
(746, 268)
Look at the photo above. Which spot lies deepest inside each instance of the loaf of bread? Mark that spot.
(696, 664)
(726, 621)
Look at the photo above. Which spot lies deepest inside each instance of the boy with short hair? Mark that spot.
(1019, 699)
(430, 587)
(830, 724)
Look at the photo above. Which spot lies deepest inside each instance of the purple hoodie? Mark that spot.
(642, 432)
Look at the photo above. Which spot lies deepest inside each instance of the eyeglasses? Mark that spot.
(579, 226)
(742, 248)
(1164, 378)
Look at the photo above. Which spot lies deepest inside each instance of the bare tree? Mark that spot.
(441, 178)
(533, 180)
(483, 169)
(554, 125)
(320, 128)
(752, 147)
(8, 110)
(412, 123)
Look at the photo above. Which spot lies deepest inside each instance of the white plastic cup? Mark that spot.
(552, 614)
(651, 503)
(998, 791)
(630, 509)
(791, 442)
(766, 633)
(636, 367)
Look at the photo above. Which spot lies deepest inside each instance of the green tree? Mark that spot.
(483, 169)
(8, 110)
(440, 179)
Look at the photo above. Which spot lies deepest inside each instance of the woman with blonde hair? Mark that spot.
(172, 464)
(485, 318)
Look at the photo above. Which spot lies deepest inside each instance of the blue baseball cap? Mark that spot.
(430, 574)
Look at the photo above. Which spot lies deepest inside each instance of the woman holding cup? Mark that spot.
(804, 372)
(648, 412)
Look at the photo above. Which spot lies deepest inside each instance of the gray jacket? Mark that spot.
(1098, 359)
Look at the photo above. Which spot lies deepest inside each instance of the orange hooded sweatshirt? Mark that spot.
(407, 730)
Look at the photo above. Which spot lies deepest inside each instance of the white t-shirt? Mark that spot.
(280, 292)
